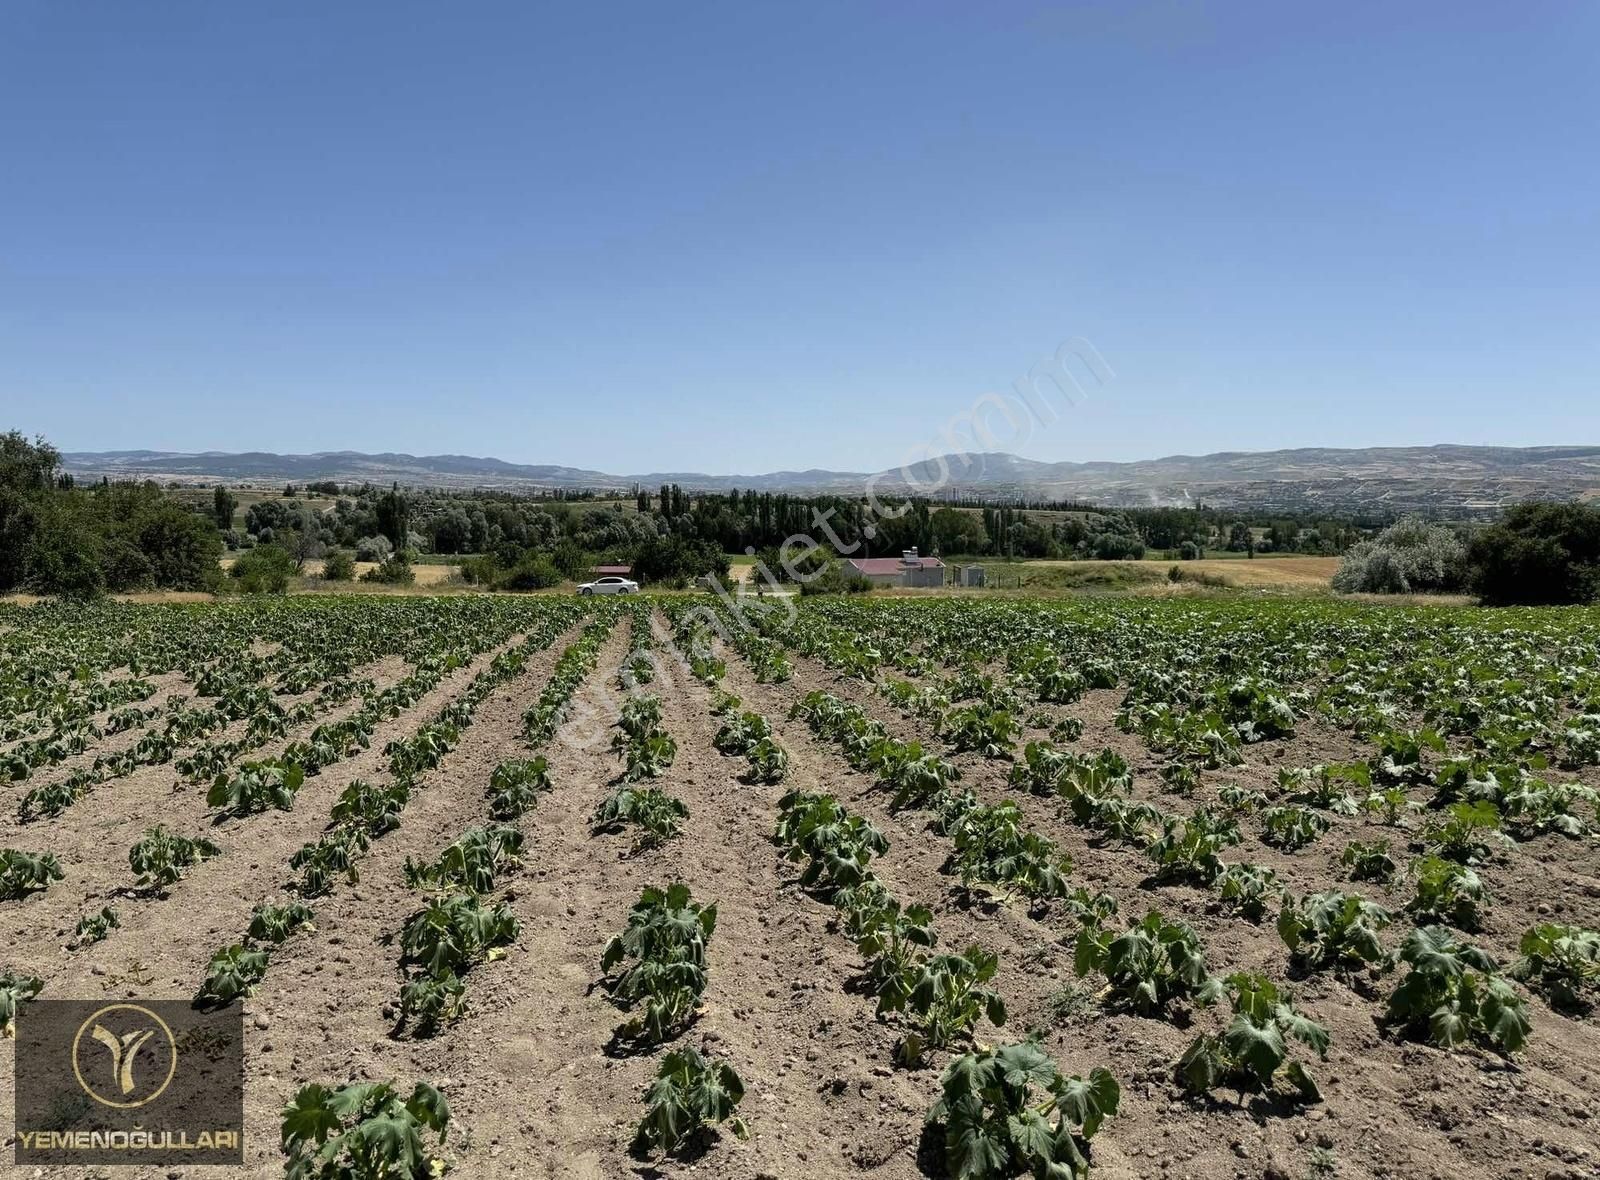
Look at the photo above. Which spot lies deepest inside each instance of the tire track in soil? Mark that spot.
(1366, 1079)
(172, 940)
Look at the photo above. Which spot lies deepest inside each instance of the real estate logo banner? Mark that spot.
(129, 1082)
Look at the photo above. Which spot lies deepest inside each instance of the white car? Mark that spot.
(609, 585)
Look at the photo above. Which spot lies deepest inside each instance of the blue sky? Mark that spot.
(741, 237)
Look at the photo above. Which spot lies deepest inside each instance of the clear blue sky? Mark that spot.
(739, 237)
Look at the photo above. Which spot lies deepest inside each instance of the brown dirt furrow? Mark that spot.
(320, 1013)
(529, 1087)
(171, 939)
(133, 802)
(167, 686)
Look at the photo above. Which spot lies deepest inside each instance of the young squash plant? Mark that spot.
(1253, 1053)
(364, 1131)
(1248, 890)
(256, 786)
(1562, 962)
(1149, 966)
(1447, 892)
(515, 785)
(654, 812)
(664, 947)
(690, 1095)
(15, 990)
(769, 762)
(234, 971)
(474, 861)
(1390, 805)
(160, 857)
(1237, 800)
(93, 928)
(888, 935)
(1467, 833)
(740, 733)
(22, 873)
(995, 849)
(917, 777)
(1010, 1111)
(450, 935)
(1189, 849)
(274, 924)
(835, 846)
(1327, 787)
(1368, 861)
(374, 809)
(1332, 930)
(990, 732)
(1454, 995)
(1292, 828)
(329, 858)
(943, 995)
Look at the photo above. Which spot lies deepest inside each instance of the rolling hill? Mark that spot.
(1442, 479)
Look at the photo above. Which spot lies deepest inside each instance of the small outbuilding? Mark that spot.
(906, 570)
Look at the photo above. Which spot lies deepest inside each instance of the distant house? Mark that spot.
(612, 571)
(906, 570)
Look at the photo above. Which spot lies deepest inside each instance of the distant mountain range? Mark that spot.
(1438, 479)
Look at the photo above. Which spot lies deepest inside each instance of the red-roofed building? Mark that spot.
(906, 570)
(615, 571)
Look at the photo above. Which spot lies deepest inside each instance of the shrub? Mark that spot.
(266, 569)
(480, 571)
(394, 570)
(373, 549)
(834, 580)
(534, 571)
(338, 566)
(1409, 557)
(1538, 554)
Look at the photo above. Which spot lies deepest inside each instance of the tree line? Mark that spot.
(59, 538)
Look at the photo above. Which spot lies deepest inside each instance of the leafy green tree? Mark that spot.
(1538, 554)
(394, 517)
(223, 505)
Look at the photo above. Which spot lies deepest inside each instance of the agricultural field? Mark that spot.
(891, 887)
